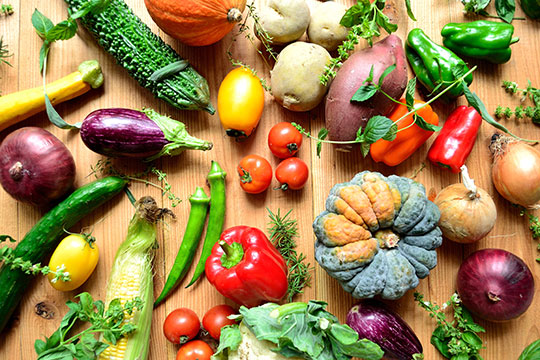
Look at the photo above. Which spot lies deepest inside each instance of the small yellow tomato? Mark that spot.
(76, 256)
(240, 102)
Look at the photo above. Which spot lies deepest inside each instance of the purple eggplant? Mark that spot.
(374, 321)
(138, 134)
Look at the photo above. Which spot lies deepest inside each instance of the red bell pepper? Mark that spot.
(245, 267)
(456, 139)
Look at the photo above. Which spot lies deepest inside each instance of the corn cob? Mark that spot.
(131, 277)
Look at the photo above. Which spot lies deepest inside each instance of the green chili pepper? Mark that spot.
(531, 8)
(435, 66)
(194, 228)
(216, 218)
(482, 39)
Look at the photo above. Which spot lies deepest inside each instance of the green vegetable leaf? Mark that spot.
(365, 147)
(43, 53)
(475, 6)
(384, 22)
(423, 124)
(41, 23)
(409, 10)
(441, 345)
(64, 30)
(472, 339)
(377, 127)
(386, 72)
(364, 92)
(229, 339)
(56, 119)
(391, 134)
(531, 352)
(506, 9)
(169, 70)
(354, 15)
(370, 76)
(40, 346)
(409, 93)
(323, 133)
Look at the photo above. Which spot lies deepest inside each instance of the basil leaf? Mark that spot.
(409, 93)
(441, 345)
(41, 23)
(531, 352)
(40, 346)
(55, 118)
(409, 10)
(377, 127)
(359, 135)
(370, 76)
(62, 31)
(391, 134)
(384, 22)
(365, 147)
(364, 93)
(169, 70)
(323, 133)
(43, 52)
(386, 73)
(472, 339)
(423, 124)
(506, 9)
(353, 16)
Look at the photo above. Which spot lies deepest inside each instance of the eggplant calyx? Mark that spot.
(175, 132)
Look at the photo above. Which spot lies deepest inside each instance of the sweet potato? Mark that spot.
(343, 117)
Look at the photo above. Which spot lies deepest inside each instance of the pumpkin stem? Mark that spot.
(234, 15)
(469, 183)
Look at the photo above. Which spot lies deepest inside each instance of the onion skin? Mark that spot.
(465, 218)
(516, 171)
(35, 167)
(495, 285)
(374, 321)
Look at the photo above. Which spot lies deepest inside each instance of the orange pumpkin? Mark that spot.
(196, 22)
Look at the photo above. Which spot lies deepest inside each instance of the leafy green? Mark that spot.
(409, 93)
(423, 124)
(366, 92)
(456, 339)
(475, 6)
(84, 345)
(302, 330)
(531, 352)
(323, 133)
(56, 119)
(376, 128)
(505, 9)
(409, 10)
(230, 338)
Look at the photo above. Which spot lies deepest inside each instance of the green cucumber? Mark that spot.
(43, 238)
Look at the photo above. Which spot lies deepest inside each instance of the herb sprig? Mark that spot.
(83, 345)
(534, 226)
(505, 9)
(531, 93)
(283, 233)
(6, 9)
(4, 52)
(456, 339)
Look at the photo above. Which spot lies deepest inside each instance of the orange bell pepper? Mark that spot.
(407, 141)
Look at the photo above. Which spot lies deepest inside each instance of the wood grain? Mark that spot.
(185, 172)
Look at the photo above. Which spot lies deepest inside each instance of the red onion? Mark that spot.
(35, 166)
(495, 284)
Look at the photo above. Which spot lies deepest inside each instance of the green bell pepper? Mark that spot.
(531, 8)
(482, 39)
(435, 66)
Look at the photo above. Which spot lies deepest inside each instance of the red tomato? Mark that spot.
(255, 174)
(284, 140)
(292, 173)
(216, 318)
(195, 350)
(181, 325)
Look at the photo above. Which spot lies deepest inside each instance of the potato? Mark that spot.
(284, 20)
(343, 117)
(295, 77)
(324, 28)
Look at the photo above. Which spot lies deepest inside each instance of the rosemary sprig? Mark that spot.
(531, 93)
(4, 52)
(283, 233)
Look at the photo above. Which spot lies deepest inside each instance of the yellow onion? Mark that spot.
(468, 213)
(516, 171)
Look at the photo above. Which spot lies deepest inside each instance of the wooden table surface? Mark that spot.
(185, 172)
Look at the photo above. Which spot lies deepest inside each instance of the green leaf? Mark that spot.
(40, 346)
(86, 302)
(506, 9)
(229, 339)
(92, 6)
(391, 134)
(423, 124)
(43, 52)
(64, 30)
(109, 336)
(472, 339)
(364, 93)
(41, 23)
(359, 135)
(384, 22)
(323, 133)
(370, 76)
(441, 345)
(354, 15)
(377, 127)
(531, 352)
(409, 93)
(365, 147)
(386, 72)
(409, 10)
(7, 238)
(55, 118)
(169, 70)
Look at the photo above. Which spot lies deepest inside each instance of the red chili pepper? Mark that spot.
(456, 139)
(245, 267)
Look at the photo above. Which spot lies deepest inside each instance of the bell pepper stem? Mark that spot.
(232, 254)
(514, 40)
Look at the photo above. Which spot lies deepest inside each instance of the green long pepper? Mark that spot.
(482, 39)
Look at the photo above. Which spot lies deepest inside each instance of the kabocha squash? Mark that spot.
(378, 235)
(196, 22)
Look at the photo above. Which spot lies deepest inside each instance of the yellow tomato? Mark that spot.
(77, 257)
(240, 102)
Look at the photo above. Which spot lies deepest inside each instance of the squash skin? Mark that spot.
(405, 243)
(196, 22)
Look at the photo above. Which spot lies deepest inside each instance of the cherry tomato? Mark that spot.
(181, 325)
(195, 350)
(216, 318)
(292, 173)
(240, 102)
(78, 255)
(255, 174)
(284, 140)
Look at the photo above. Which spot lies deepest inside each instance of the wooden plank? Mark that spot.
(186, 172)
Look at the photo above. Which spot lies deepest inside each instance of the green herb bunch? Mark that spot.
(531, 93)
(283, 233)
(505, 8)
(84, 346)
(456, 339)
(6, 9)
